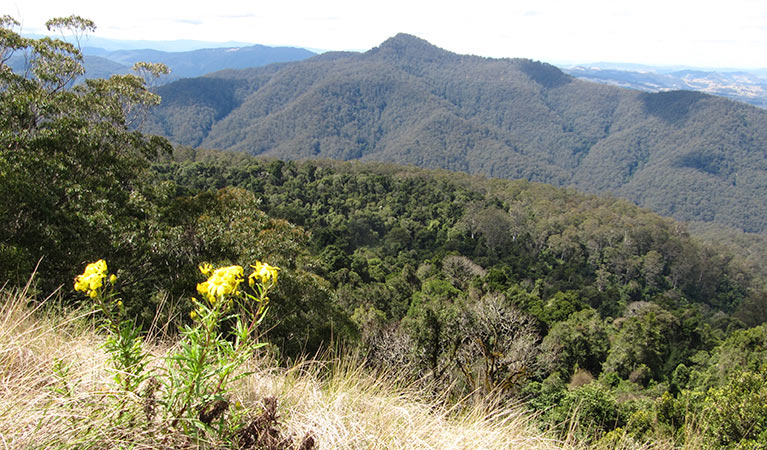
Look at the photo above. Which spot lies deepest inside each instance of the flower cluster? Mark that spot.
(92, 279)
(264, 273)
(223, 281)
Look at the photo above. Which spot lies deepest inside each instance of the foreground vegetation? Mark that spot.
(59, 392)
(611, 325)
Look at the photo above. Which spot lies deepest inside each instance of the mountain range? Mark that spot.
(684, 154)
(749, 87)
(119, 58)
(191, 63)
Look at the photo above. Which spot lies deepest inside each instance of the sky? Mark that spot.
(710, 34)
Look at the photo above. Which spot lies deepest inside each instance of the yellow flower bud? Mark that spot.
(113, 278)
(205, 268)
(193, 315)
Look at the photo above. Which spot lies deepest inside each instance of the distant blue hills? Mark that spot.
(191, 58)
(186, 58)
(748, 86)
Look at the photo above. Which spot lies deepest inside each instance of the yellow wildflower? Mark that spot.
(223, 281)
(92, 279)
(264, 273)
(193, 314)
(113, 279)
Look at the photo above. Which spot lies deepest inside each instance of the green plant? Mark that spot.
(124, 343)
(192, 391)
(736, 412)
(588, 410)
(206, 362)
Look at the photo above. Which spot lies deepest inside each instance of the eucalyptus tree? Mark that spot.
(71, 154)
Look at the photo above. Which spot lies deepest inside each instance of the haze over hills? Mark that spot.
(749, 87)
(198, 62)
(184, 58)
(685, 154)
(177, 45)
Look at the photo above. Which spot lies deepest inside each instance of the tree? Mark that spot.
(432, 324)
(499, 345)
(580, 341)
(643, 341)
(492, 224)
(736, 412)
(70, 157)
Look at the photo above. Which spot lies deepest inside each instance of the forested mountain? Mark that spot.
(685, 154)
(748, 87)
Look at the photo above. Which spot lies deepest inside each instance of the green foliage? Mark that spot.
(561, 306)
(70, 159)
(736, 412)
(580, 341)
(192, 393)
(642, 343)
(613, 280)
(432, 321)
(742, 350)
(684, 154)
(593, 407)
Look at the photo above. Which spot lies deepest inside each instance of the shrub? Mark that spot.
(737, 411)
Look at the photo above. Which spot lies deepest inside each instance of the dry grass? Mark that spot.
(347, 408)
(54, 380)
(54, 384)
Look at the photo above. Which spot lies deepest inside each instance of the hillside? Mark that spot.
(684, 154)
(58, 392)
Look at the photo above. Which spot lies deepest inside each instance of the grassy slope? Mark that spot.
(54, 380)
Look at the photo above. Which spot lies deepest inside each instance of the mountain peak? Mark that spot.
(409, 46)
(404, 39)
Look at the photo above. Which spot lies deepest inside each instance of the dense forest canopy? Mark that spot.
(683, 154)
(590, 309)
(504, 286)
